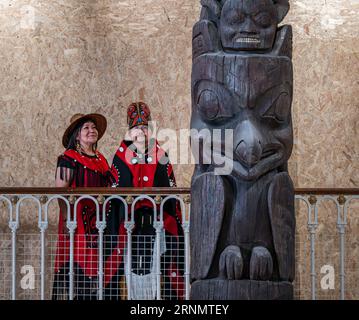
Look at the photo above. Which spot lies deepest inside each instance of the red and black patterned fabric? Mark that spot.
(149, 169)
(85, 171)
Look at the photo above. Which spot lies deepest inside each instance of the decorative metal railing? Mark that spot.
(342, 199)
(43, 197)
(14, 243)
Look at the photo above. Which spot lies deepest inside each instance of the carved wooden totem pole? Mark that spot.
(243, 224)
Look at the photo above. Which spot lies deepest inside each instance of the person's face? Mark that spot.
(88, 134)
(139, 134)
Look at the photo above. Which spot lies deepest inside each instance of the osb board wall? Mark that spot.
(58, 58)
(87, 56)
(61, 57)
(326, 93)
(327, 252)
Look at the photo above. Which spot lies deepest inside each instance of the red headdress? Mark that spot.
(138, 113)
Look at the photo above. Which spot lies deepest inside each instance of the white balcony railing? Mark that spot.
(15, 252)
(29, 244)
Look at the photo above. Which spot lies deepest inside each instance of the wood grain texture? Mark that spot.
(209, 202)
(244, 84)
(241, 290)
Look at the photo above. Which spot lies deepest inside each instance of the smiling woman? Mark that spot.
(81, 165)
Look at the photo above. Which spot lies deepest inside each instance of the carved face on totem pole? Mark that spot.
(242, 87)
(248, 25)
(254, 100)
(245, 25)
(239, 90)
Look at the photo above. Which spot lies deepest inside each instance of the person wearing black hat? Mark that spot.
(81, 165)
(140, 162)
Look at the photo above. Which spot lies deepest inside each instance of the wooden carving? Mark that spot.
(242, 223)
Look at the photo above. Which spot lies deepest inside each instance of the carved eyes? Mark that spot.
(263, 19)
(210, 106)
(237, 18)
(279, 110)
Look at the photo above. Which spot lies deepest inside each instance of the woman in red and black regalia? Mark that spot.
(140, 162)
(81, 165)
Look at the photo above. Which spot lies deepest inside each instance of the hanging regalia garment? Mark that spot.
(149, 169)
(85, 171)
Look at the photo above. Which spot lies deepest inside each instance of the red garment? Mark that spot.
(143, 174)
(86, 171)
(151, 169)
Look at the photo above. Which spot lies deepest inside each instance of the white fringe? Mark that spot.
(143, 287)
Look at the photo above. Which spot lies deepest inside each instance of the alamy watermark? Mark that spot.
(327, 282)
(191, 146)
(27, 282)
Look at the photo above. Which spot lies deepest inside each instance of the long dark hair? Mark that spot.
(73, 139)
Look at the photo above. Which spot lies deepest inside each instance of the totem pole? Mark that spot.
(242, 223)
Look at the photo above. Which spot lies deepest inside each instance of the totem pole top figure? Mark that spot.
(245, 25)
(250, 25)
